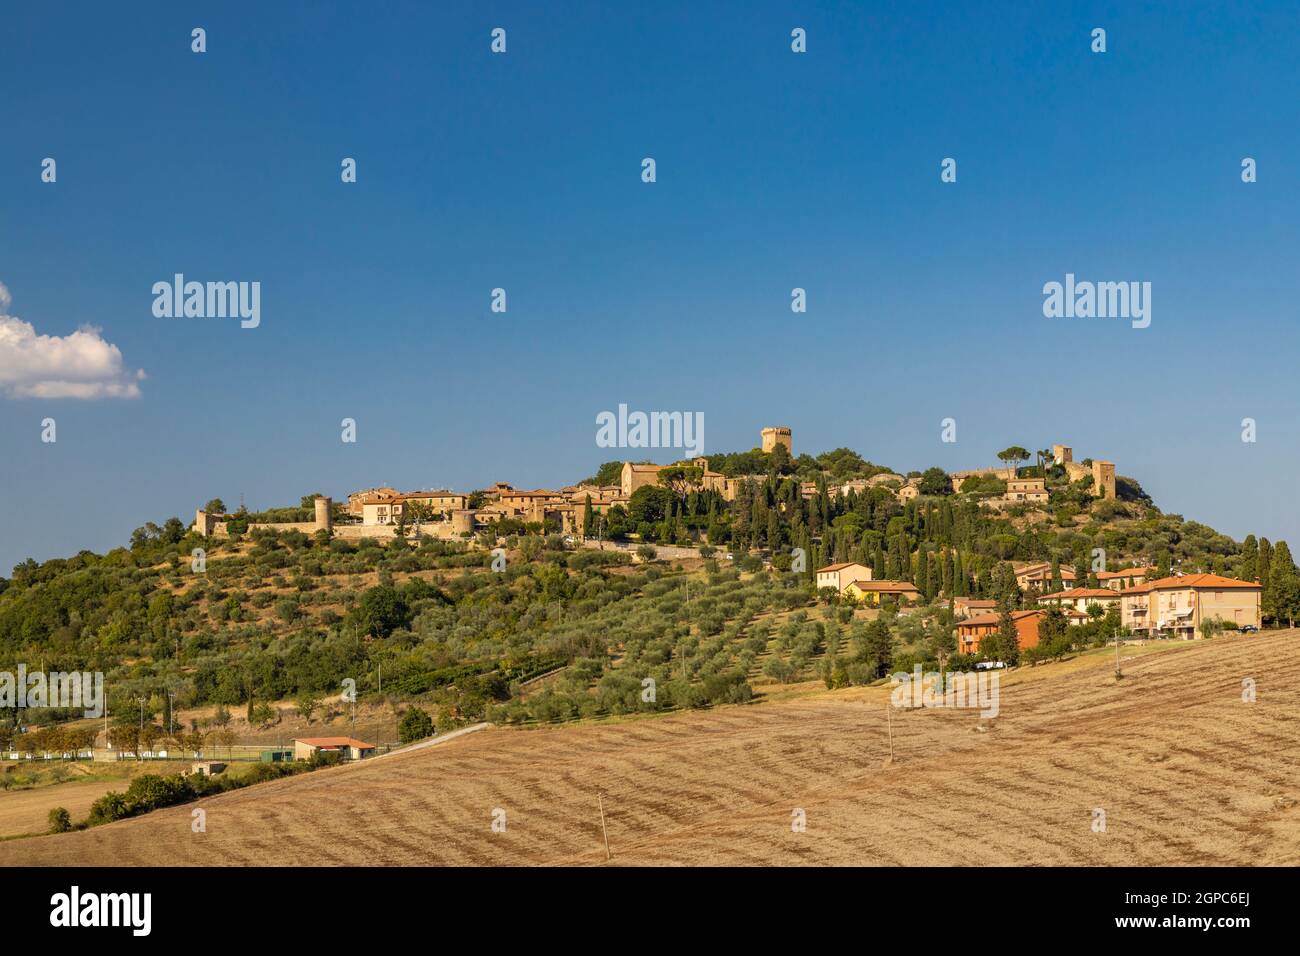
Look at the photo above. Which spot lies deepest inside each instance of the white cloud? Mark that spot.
(80, 365)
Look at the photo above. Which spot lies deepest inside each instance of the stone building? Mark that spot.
(777, 435)
(1103, 479)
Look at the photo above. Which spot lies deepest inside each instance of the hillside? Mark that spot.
(283, 616)
(1186, 772)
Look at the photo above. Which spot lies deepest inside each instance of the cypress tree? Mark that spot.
(1248, 569)
(1008, 637)
(1283, 594)
(1262, 565)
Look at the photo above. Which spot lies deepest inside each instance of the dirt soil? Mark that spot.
(1186, 772)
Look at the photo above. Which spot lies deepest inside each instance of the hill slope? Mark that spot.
(1186, 772)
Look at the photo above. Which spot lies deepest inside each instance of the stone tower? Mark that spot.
(204, 523)
(777, 435)
(324, 514)
(1103, 478)
(1062, 453)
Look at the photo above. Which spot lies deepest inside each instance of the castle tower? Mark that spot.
(1062, 453)
(204, 523)
(324, 514)
(777, 435)
(1103, 478)
(462, 521)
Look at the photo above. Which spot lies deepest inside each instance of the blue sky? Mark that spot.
(522, 171)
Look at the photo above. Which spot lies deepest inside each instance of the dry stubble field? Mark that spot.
(1186, 772)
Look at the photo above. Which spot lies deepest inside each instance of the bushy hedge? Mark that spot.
(152, 791)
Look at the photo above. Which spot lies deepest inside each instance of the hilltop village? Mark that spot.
(1138, 599)
(383, 512)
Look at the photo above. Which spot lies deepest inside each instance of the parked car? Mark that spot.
(1249, 629)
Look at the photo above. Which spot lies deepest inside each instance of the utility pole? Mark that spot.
(889, 717)
(601, 800)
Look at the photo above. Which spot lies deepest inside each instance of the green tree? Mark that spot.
(1264, 562)
(1013, 456)
(1248, 564)
(681, 479)
(1053, 634)
(608, 474)
(415, 725)
(215, 507)
(650, 504)
(935, 481)
(306, 705)
(876, 649)
(1282, 599)
(381, 610)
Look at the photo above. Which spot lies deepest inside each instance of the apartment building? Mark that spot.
(1125, 578)
(1039, 576)
(1178, 606)
(1080, 599)
(972, 631)
(972, 607)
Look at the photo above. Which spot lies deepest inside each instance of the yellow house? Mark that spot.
(870, 592)
(838, 576)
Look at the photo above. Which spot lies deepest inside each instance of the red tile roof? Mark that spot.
(1071, 594)
(1125, 573)
(884, 586)
(1215, 582)
(326, 742)
(995, 618)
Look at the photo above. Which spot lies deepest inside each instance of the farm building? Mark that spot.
(207, 768)
(304, 748)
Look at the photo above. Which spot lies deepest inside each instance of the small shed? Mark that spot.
(207, 768)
